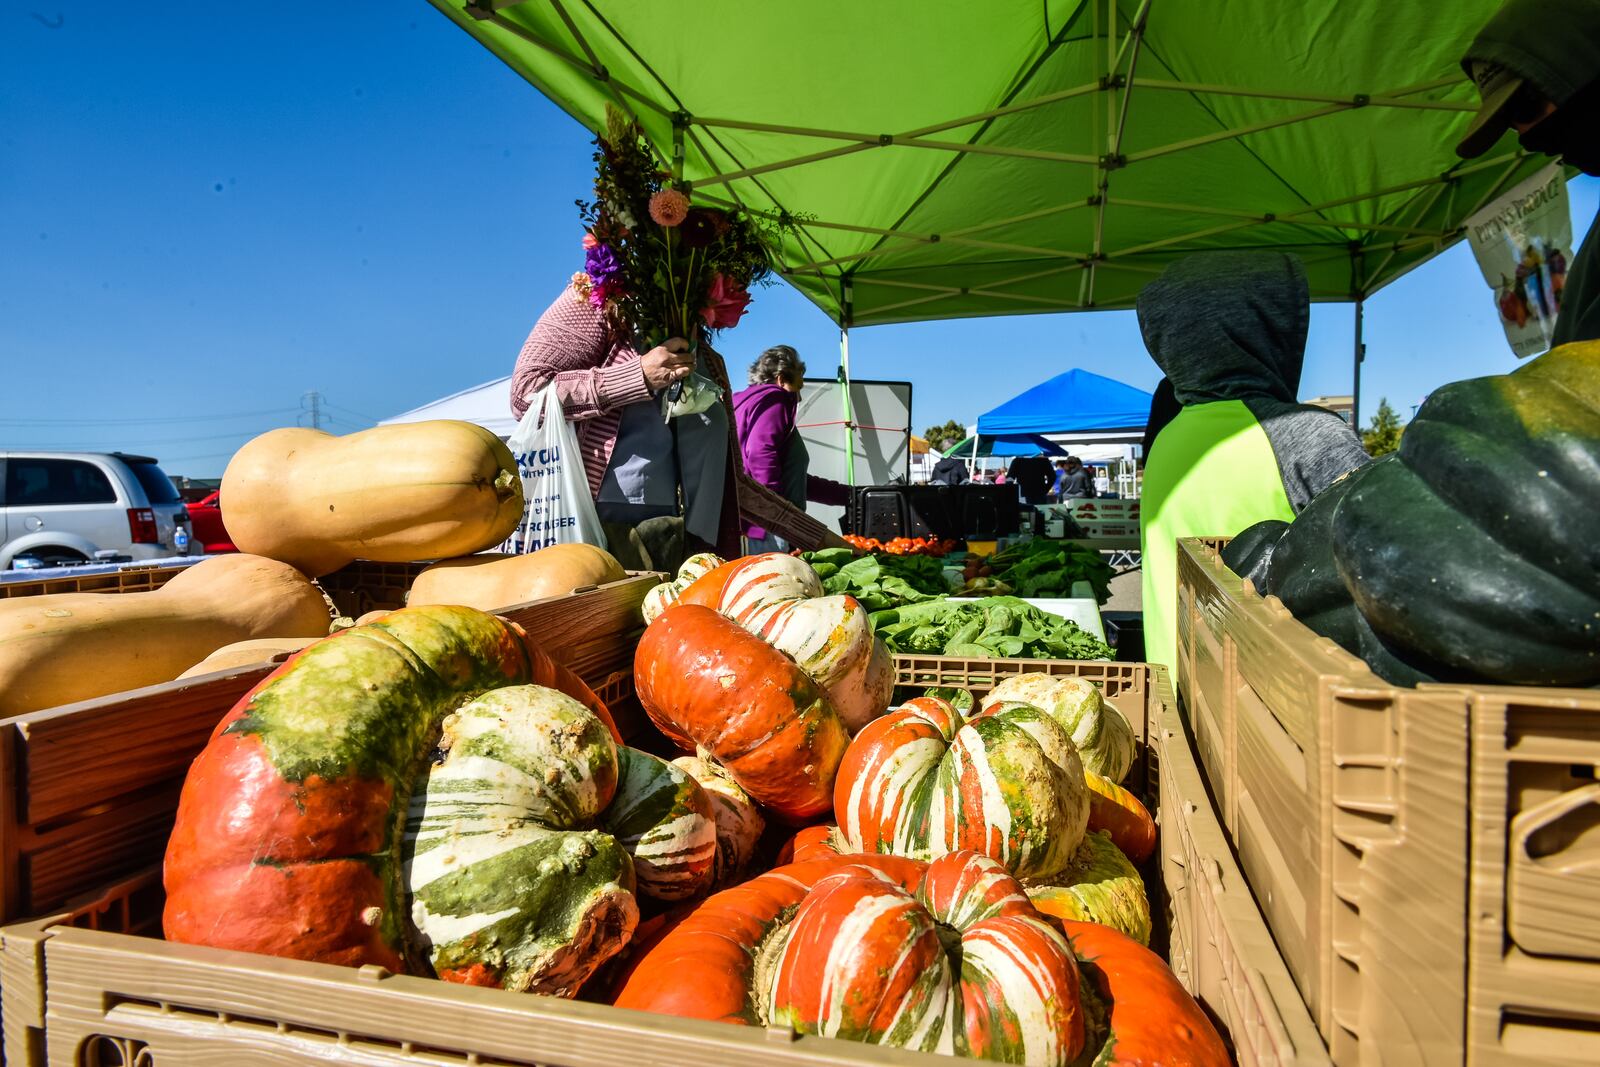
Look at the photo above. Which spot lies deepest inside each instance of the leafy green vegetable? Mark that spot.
(960, 699)
(993, 628)
(1041, 568)
(879, 581)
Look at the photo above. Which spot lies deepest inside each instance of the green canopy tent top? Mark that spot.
(955, 159)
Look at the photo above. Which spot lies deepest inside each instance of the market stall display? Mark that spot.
(1096, 886)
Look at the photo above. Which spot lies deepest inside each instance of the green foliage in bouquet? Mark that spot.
(658, 265)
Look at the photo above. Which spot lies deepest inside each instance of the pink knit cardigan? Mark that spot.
(597, 374)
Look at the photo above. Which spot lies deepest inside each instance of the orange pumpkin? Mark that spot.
(1119, 813)
(854, 947)
(1153, 1019)
(710, 685)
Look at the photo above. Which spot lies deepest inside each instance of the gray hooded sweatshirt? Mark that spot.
(1232, 326)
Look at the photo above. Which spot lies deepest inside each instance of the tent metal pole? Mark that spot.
(939, 127)
(1359, 354)
(1392, 98)
(847, 307)
(1006, 246)
(560, 53)
(1314, 209)
(1427, 206)
(1014, 219)
(1237, 132)
(677, 153)
(1343, 224)
(889, 140)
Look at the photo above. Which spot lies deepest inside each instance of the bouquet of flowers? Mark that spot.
(658, 265)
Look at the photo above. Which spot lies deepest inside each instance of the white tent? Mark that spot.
(488, 405)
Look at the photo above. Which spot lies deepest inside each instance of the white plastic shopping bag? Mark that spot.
(559, 507)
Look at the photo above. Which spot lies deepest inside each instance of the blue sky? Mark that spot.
(206, 212)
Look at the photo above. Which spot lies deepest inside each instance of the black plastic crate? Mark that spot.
(978, 512)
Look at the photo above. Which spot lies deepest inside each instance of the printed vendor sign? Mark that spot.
(1523, 244)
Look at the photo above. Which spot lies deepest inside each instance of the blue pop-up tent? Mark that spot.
(1077, 402)
(979, 447)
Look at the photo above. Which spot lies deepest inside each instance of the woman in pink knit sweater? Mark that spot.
(640, 466)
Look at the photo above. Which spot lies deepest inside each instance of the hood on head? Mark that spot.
(1228, 325)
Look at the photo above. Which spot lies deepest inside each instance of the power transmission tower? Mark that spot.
(315, 408)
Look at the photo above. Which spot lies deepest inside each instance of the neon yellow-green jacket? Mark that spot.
(1211, 472)
(1229, 330)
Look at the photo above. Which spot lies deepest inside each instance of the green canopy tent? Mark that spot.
(953, 159)
(948, 158)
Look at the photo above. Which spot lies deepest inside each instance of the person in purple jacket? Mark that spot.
(774, 453)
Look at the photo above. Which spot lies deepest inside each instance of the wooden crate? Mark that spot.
(97, 981)
(88, 790)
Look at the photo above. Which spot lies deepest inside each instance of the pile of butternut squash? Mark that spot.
(300, 504)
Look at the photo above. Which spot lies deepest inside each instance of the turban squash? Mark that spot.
(1098, 884)
(1103, 738)
(1011, 781)
(430, 793)
(780, 599)
(859, 948)
(919, 782)
(718, 690)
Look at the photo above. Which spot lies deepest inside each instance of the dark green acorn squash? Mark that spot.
(1249, 554)
(1302, 573)
(1478, 546)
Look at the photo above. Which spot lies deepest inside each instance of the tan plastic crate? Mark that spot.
(88, 790)
(96, 981)
(123, 580)
(1427, 859)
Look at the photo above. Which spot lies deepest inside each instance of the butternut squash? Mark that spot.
(491, 581)
(63, 647)
(396, 494)
(246, 653)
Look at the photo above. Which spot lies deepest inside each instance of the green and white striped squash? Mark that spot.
(1100, 886)
(1103, 737)
(739, 821)
(921, 783)
(531, 834)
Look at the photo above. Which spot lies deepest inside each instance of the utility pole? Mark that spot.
(315, 408)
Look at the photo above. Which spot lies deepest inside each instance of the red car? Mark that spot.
(206, 518)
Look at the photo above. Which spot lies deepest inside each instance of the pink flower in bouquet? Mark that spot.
(728, 302)
(590, 240)
(604, 291)
(669, 207)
